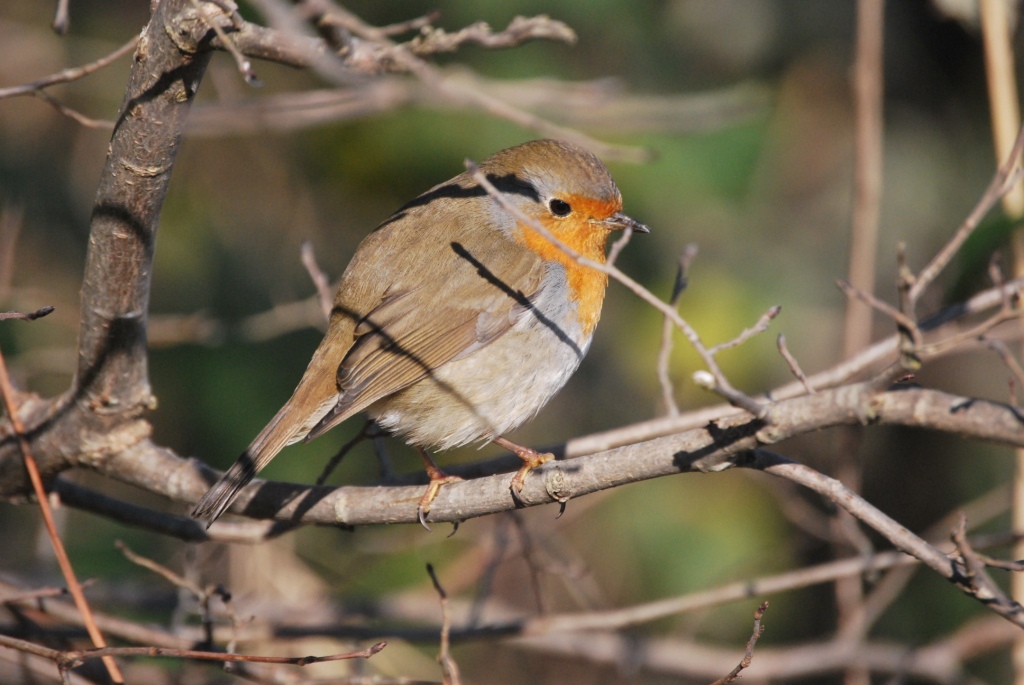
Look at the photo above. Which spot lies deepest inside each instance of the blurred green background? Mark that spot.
(766, 197)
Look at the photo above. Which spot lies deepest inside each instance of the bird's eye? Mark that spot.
(559, 207)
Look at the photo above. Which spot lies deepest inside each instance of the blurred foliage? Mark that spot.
(767, 202)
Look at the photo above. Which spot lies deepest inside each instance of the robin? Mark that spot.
(455, 321)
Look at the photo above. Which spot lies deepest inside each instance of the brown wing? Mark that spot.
(466, 291)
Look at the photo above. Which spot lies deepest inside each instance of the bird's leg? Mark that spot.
(437, 479)
(531, 460)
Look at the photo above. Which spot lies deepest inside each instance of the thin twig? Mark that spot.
(70, 74)
(867, 180)
(319, 278)
(203, 595)
(27, 316)
(363, 434)
(73, 114)
(962, 576)
(11, 225)
(794, 365)
(400, 27)
(977, 581)
(40, 593)
(61, 18)
(1001, 348)
(161, 570)
(1002, 182)
(665, 350)
(759, 327)
(720, 385)
(403, 57)
(619, 245)
(73, 658)
(530, 557)
(1007, 312)
(904, 321)
(748, 655)
(74, 587)
(449, 668)
(241, 61)
(521, 29)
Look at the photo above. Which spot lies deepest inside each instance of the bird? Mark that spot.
(457, 320)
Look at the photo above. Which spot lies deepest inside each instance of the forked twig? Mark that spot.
(1001, 348)
(449, 668)
(976, 580)
(241, 61)
(904, 321)
(202, 594)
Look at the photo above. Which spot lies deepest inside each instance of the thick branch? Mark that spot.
(709, 448)
(112, 370)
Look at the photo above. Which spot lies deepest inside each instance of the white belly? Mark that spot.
(496, 388)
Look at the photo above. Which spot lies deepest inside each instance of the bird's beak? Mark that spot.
(620, 222)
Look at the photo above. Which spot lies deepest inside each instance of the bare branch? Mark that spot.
(67, 570)
(976, 580)
(73, 114)
(61, 18)
(73, 658)
(794, 365)
(70, 74)
(1000, 348)
(709, 448)
(210, 18)
(26, 316)
(319, 278)
(665, 350)
(966, 577)
(520, 30)
(10, 229)
(868, 89)
(1002, 182)
(760, 327)
(905, 322)
(449, 667)
(748, 655)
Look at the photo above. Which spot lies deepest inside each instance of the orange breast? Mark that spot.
(586, 285)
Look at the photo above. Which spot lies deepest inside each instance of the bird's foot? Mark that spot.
(531, 460)
(437, 479)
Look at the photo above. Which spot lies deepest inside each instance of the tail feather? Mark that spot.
(288, 426)
(281, 431)
(216, 501)
(315, 395)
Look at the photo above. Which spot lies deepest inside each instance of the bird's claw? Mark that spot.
(421, 514)
(531, 460)
(437, 479)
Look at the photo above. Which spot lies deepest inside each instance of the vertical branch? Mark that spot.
(867, 181)
(1005, 113)
(112, 367)
(867, 194)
